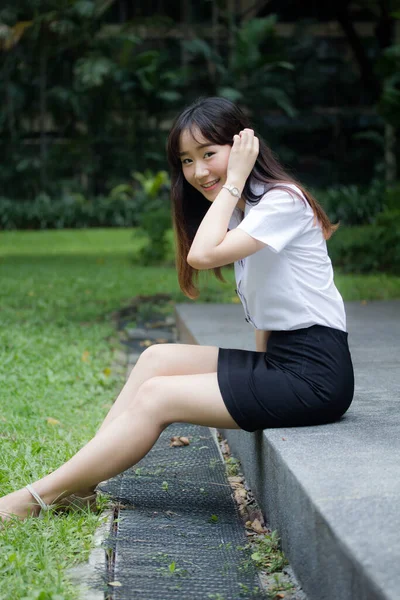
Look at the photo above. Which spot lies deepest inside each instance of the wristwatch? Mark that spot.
(233, 190)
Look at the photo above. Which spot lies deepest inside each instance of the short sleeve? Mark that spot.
(277, 219)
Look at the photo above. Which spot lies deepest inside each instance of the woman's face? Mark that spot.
(204, 164)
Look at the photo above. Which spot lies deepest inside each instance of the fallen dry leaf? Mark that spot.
(115, 583)
(256, 526)
(255, 513)
(177, 441)
(235, 479)
(85, 356)
(225, 447)
(236, 486)
(52, 421)
(107, 371)
(280, 595)
(240, 496)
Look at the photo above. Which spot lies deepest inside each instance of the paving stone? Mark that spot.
(140, 333)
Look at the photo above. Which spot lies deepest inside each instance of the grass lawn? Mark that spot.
(57, 291)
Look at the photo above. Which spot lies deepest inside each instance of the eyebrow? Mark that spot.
(198, 148)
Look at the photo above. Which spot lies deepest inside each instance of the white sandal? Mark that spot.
(71, 502)
(43, 506)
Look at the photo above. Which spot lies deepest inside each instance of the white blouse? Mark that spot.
(289, 283)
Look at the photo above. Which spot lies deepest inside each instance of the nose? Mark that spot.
(201, 170)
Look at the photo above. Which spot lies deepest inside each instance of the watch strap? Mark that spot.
(231, 189)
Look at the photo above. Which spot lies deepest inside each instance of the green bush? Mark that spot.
(392, 197)
(352, 204)
(368, 248)
(69, 213)
(154, 218)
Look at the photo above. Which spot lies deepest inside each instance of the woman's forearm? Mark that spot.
(213, 228)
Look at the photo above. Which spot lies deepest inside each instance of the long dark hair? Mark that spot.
(218, 120)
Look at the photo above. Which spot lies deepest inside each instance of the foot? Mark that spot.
(18, 504)
(80, 499)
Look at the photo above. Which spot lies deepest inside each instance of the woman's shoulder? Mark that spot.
(284, 195)
(285, 188)
(264, 188)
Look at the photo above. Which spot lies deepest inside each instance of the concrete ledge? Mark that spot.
(331, 491)
(90, 578)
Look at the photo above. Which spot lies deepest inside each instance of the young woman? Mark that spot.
(232, 203)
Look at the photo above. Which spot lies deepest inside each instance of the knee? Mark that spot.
(145, 361)
(148, 396)
(155, 351)
(153, 358)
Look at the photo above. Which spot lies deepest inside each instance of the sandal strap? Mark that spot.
(38, 499)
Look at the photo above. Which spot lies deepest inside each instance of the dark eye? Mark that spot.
(185, 163)
(211, 153)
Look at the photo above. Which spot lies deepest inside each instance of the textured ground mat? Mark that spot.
(179, 534)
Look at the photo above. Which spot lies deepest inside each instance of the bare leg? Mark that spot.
(158, 360)
(163, 359)
(160, 401)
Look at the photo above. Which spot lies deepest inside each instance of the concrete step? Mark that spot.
(332, 491)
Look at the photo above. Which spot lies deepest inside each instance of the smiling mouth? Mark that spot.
(211, 184)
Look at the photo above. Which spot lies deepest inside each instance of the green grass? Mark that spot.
(57, 291)
(68, 242)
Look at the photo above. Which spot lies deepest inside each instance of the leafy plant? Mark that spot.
(155, 214)
(368, 248)
(248, 72)
(353, 204)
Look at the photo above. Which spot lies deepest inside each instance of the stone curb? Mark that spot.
(87, 576)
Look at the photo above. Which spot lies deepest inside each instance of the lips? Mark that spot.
(210, 184)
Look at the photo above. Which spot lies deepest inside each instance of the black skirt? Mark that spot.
(305, 378)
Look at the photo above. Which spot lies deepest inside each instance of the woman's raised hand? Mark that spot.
(242, 158)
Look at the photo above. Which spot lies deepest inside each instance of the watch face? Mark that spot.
(235, 191)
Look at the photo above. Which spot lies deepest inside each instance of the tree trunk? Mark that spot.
(230, 6)
(185, 12)
(42, 120)
(11, 112)
(368, 77)
(385, 33)
(211, 66)
(390, 155)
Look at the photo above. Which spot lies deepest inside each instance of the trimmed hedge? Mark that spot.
(368, 248)
(72, 213)
(353, 204)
